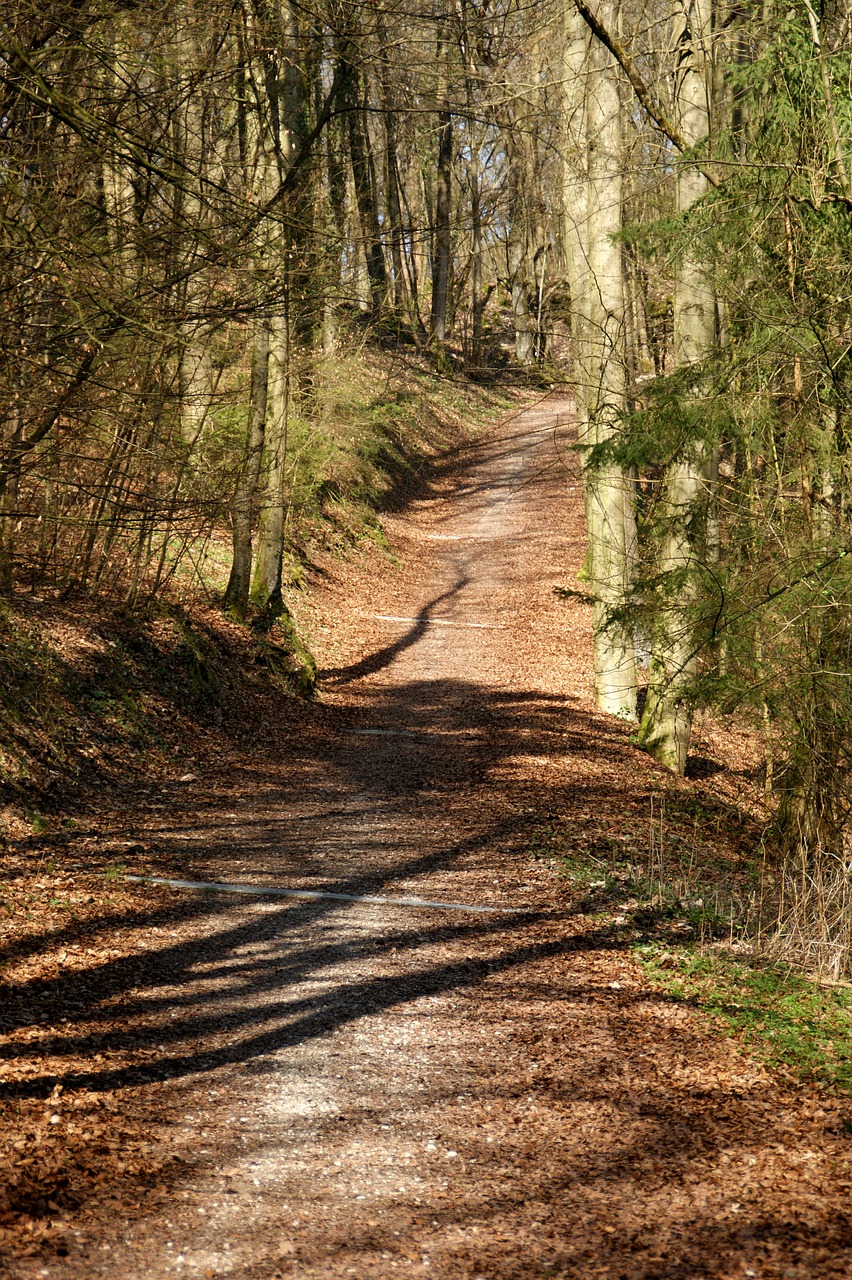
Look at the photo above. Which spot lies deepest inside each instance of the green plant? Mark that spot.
(37, 821)
(787, 1019)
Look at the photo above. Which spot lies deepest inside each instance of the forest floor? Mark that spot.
(205, 1085)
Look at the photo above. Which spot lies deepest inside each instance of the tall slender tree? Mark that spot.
(593, 222)
(667, 718)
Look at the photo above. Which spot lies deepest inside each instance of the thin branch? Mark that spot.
(643, 92)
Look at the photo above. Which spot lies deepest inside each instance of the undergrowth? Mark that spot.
(787, 1019)
(689, 906)
(93, 694)
(91, 689)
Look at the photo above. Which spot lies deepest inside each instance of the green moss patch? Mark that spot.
(785, 1018)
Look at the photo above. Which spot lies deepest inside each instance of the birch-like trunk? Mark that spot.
(575, 230)
(266, 580)
(667, 719)
(609, 489)
(288, 118)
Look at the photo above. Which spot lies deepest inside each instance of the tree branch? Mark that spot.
(643, 92)
(326, 113)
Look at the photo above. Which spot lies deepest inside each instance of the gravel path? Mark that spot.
(377, 1091)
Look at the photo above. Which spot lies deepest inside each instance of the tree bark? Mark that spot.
(266, 580)
(442, 239)
(477, 298)
(519, 290)
(392, 197)
(265, 593)
(363, 177)
(518, 257)
(195, 373)
(575, 203)
(609, 488)
(667, 718)
(237, 592)
(273, 129)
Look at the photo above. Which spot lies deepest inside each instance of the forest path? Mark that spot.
(364, 1091)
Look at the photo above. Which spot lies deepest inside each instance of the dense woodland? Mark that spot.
(207, 209)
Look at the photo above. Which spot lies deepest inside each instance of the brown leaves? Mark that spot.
(598, 1129)
(60, 1162)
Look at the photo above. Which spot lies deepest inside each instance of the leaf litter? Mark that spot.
(322, 1089)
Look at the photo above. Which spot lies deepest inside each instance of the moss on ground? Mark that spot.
(686, 923)
(785, 1018)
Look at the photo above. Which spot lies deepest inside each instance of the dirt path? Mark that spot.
(363, 1091)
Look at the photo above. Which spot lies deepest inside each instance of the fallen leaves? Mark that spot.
(563, 1119)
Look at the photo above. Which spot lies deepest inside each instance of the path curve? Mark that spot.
(364, 1091)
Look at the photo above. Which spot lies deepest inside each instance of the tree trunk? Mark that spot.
(414, 205)
(442, 239)
(575, 201)
(266, 581)
(117, 176)
(519, 289)
(272, 131)
(392, 198)
(237, 592)
(609, 488)
(476, 300)
(265, 592)
(335, 181)
(667, 719)
(9, 486)
(195, 374)
(364, 178)
(521, 183)
(443, 243)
